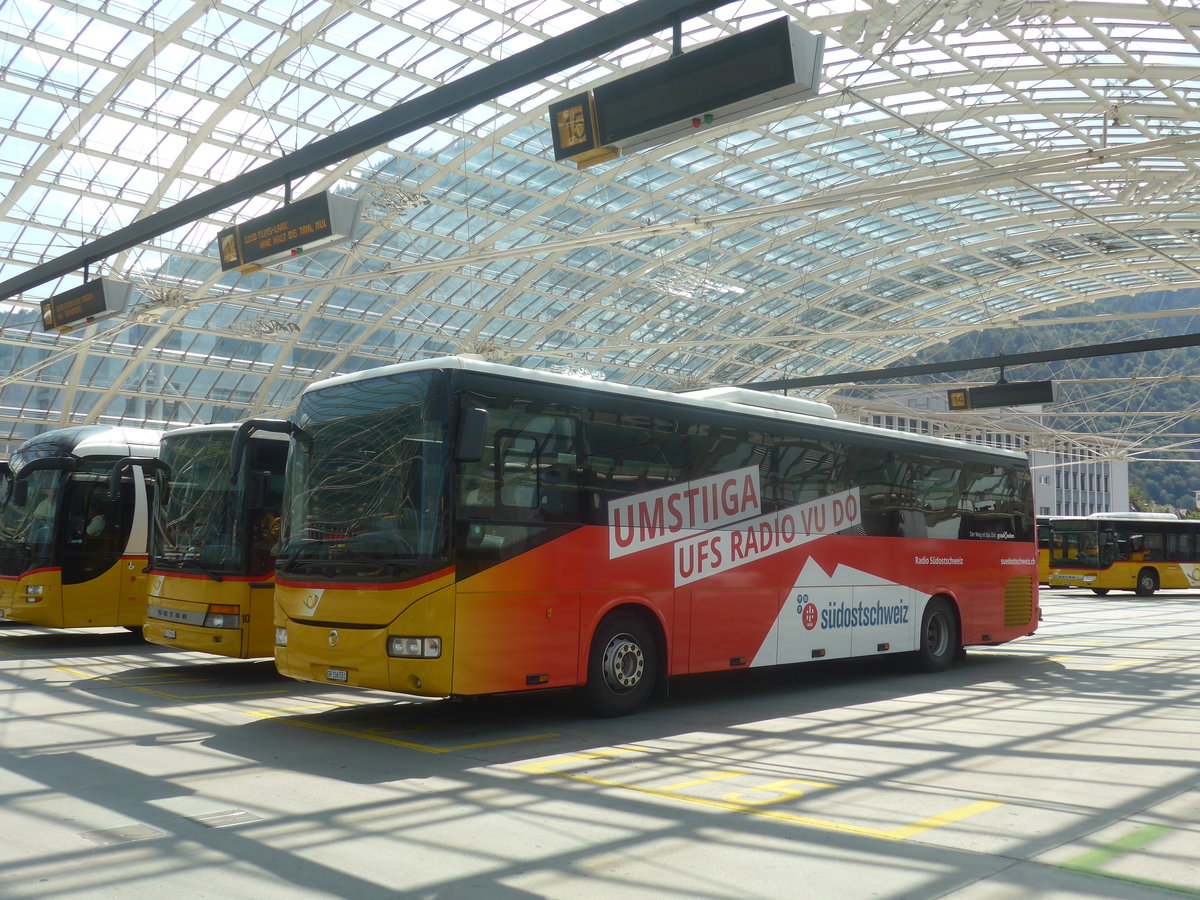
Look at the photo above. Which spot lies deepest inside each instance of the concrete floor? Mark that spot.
(1064, 765)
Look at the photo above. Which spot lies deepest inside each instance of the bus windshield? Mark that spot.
(200, 526)
(27, 530)
(1078, 544)
(367, 480)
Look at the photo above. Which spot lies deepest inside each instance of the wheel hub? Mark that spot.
(624, 663)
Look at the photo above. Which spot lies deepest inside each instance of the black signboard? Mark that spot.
(1015, 393)
(277, 234)
(91, 301)
(765, 67)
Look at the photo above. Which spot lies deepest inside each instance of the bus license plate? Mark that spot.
(337, 675)
(169, 633)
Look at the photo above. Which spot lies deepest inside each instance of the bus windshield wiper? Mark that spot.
(195, 564)
(286, 562)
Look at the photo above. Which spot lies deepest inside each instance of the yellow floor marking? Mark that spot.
(776, 787)
(70, 671)
(716, 776)
(900, 833)
(947, 818)
(307, 707)
(392, 742)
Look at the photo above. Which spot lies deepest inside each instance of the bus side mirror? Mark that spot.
(472, 434)
(20, 489)
(149, 464)
(241, 438)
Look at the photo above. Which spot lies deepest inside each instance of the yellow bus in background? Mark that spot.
(1043, 547)
(73, 526)
(212, 562)
(1139, 552)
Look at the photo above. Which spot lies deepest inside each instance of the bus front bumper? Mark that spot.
(357, 657)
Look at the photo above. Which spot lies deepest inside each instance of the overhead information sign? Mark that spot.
(1016, 393)
(92, 301)
(300, 227)
(573, 128)
(763, 68)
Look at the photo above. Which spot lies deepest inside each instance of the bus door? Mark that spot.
(1109, 548)
(96, 530)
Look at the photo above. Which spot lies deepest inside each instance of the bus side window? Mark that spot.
(1179, 546)
(885, 490)
(516, 470)
(530, 468)
(628, 454)
(806, 470)
(1154, 546)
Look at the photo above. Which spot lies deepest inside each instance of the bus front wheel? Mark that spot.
(622, 665)
(1147, 583)
(939, 638)
(1099, 592)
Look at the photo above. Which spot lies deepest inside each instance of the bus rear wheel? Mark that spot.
(938, 641)
(1099, 592)
(622, 665)
(1147, 583)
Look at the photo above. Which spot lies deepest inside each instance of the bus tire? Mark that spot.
(1147, 582)
(938, 642)
(1099, 592)
(622, 665)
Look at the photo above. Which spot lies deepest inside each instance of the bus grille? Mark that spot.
(1018, 601)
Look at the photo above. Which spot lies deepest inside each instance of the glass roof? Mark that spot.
(965, 165)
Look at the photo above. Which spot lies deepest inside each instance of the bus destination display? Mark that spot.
(94, 300)
(296, 228)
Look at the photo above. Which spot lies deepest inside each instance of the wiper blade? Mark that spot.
(291, 558)
(195, 564)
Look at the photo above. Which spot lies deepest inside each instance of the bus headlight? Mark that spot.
(415, 647)
(280, 636)
(35, 590)
(222, 617)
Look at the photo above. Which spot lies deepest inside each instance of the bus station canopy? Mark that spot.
(966, 164)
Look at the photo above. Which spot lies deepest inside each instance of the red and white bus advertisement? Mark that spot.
(846, 594)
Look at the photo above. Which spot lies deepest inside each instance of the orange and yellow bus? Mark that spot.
(455, 527)
(73, 528)
(212, 563)
(1131, 551)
